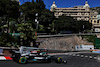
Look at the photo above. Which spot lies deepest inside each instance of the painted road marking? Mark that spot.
(78, 55)
(5, 58)
(95, 57)
(70, 54)
(82, 55)
(90, 56)
(8, 57)
(86, 56)
(98, 58)
(74, 54)
(2, 58)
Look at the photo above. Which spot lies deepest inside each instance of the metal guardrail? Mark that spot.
(7, 48)
(48, 50)
(62, 35)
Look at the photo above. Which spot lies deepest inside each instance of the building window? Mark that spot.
(57, 14)
(91, 21)
(94, 21)
(96, 30)
(98, 21)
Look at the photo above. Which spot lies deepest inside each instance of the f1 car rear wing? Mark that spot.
(28, 49)
(23, 49)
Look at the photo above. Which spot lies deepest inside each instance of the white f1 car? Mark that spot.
(31, 54)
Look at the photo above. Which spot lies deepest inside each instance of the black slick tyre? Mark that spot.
(22, 60)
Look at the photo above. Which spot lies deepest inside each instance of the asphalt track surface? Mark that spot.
(73, 60)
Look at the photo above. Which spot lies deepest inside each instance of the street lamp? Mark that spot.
(36, 20)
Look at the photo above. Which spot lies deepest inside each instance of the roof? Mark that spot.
(86, 5)
(53, 5)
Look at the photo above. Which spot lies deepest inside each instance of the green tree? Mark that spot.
(27, 33)
(40, 4)
(7, 40)
(67, 23)
(46, 19)
(9, 8)
(28, 11)
(83, 25)
(13, 25)
(27, 25)
(63, 23)
(14, 9)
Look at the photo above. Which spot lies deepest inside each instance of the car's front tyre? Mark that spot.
(22, 60)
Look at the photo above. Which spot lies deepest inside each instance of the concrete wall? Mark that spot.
(62, 43)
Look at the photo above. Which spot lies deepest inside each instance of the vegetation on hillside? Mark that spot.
(17, 18)
(67, 23)
(89, 38)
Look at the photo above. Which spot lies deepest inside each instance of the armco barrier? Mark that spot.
(1, 50)
(95, 51)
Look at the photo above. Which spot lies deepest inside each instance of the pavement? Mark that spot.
(89, 55)
(6, 56)
(73, 60)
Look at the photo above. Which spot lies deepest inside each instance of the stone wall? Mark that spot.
(62, 43)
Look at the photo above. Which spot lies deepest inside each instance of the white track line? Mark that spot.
(90, 56)
(95, 57)
(78, 55)
(82, 55)
(70, 54)
(86, 56)
(74, 54)
(2, 58)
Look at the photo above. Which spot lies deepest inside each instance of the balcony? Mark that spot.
(96, 25)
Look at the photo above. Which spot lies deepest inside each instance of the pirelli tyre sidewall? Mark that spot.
(59, 60)
(22, 60)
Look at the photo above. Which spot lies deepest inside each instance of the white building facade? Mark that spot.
(80, 13)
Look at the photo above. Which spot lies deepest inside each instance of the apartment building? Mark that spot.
(78, 12)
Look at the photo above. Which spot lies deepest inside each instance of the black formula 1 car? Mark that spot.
(30, 54)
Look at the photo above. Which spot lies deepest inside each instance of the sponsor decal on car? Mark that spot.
(38, 57)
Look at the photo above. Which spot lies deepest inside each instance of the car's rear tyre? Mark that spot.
(59, 60)
(22, 60)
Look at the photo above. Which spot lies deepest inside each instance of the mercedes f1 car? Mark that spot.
(30, 54)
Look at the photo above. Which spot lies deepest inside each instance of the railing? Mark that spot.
(63, 35)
